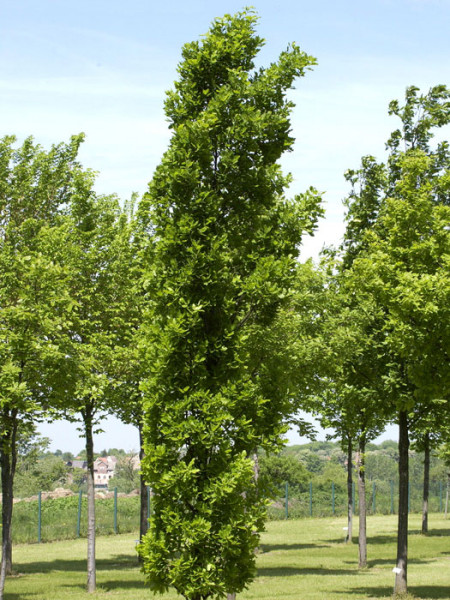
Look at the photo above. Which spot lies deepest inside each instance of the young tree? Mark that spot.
(224, 258)
(35, 188)
(405, 248)
(351, 370)
(99, 246)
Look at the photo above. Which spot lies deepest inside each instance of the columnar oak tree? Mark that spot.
(224, 258)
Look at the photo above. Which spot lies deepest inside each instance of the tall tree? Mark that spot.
(225, 246)
(35, 188)
(405, 248)
(99, 247)
(350, 368)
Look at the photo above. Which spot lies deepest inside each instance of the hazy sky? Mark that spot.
(102, 67)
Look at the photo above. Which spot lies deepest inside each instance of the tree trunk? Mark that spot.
(8, 460)
(426, 483)
(144, 512)
(402, 534)
(91, 572)
(447, 494)
(362, 536)
(348, 539)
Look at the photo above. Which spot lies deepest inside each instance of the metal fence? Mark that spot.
(66, 518)
(381, 498)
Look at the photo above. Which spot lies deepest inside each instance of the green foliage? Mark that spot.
(280, 469)
(223, 260)
(44, 474)
(407, 250)
(332, 473)
(126, 476)
(36, 187)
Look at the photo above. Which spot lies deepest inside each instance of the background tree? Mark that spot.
(129, 367)
(35, 188)
(406, 252)
(126, 475)
(37, 468)
(225, 246)
(281, 469)
(99, 246)
(351, 368)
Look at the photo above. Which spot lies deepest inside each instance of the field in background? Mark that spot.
(299, 560)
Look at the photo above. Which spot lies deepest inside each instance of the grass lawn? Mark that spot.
(301, 560)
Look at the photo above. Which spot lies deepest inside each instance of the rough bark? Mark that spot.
(8, 460)
(91, 570)
(348, 539)
(143, 521)
(402, 534)
(362, 535)
(426, 483)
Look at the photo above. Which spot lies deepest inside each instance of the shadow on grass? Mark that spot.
(120, 561)
(290, 571)
(429, 591)
(373, 539)
(424, 591)
(437, 532)
(272, 547)
(376, 562)
(110, 586)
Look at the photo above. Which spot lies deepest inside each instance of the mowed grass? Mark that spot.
(302, 559)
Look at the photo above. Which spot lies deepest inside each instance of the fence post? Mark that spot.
(115, 510)
(80, 494)
(286, 501)
(310, 498)
(440, 496)
(374, 498)
(409, 497)
(39, 516)
(149, 512)
(392, 497)
(332, 499)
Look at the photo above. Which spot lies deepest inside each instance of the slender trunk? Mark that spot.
(402, 535)
(348, 539)
(8, 460)
(7, 507)
(362, 536)
(426, 483)
(91, 572)
(447, 494)
(144, 512)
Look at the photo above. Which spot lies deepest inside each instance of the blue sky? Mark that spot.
(103, 67)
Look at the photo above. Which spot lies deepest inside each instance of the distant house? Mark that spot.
(104, 470)
(77, 464)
